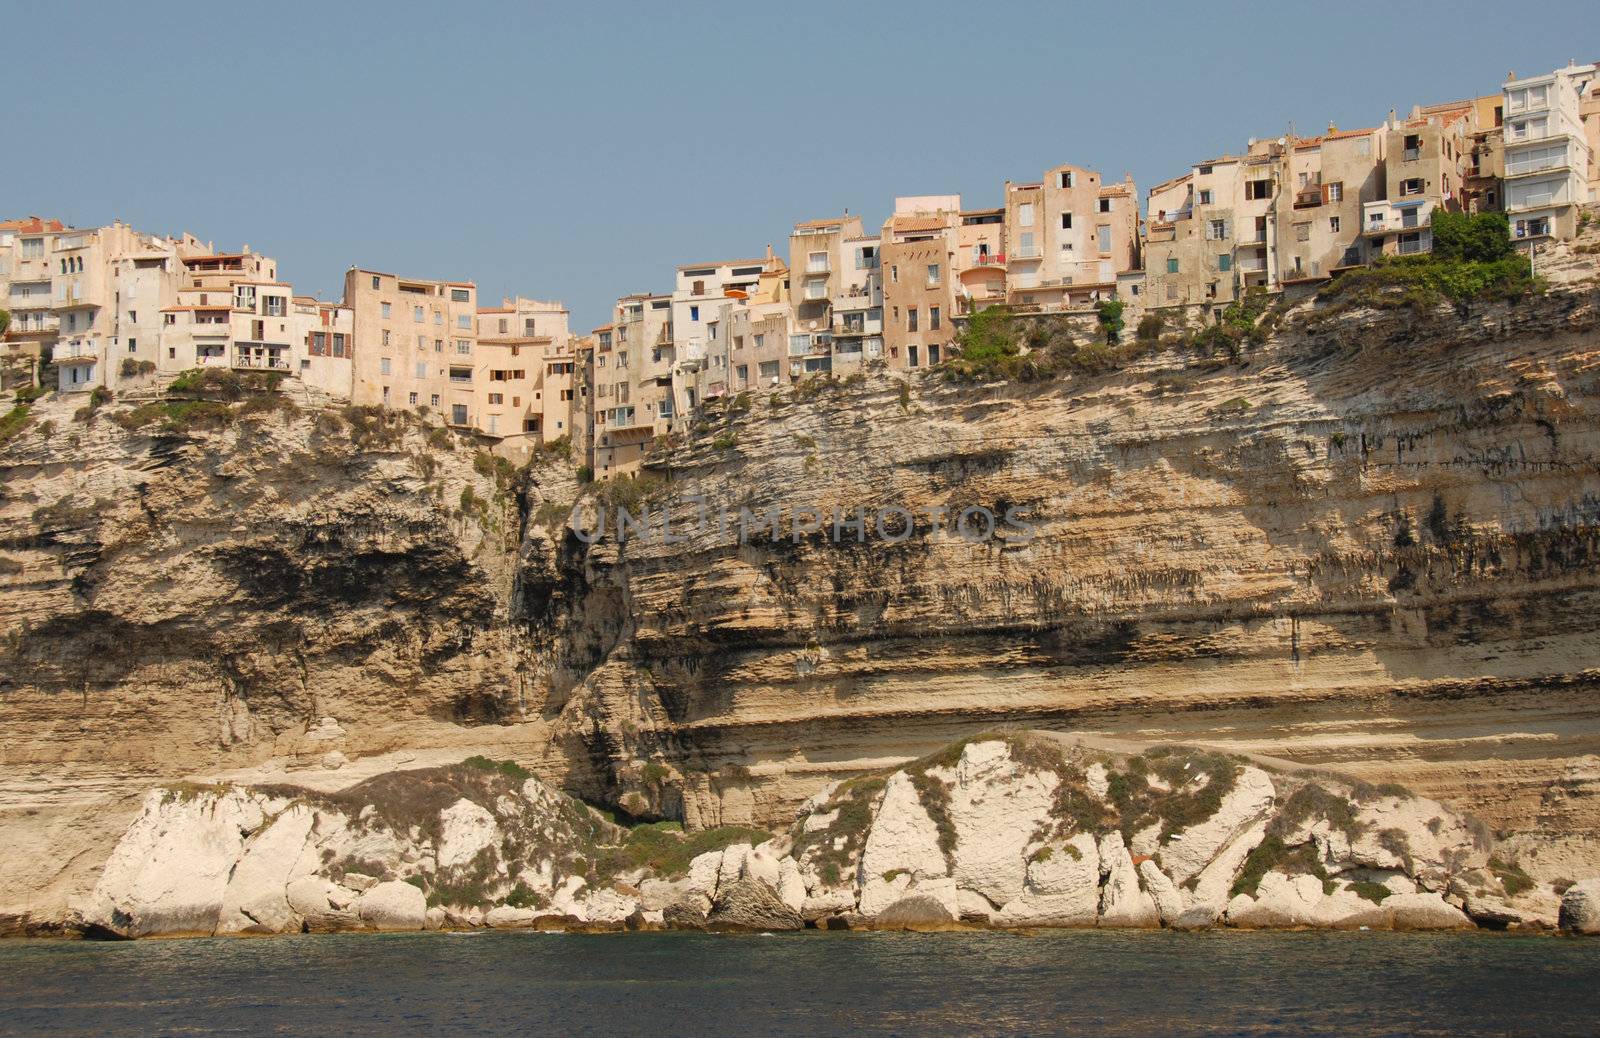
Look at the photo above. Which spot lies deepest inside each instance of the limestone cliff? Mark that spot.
(1368, 543)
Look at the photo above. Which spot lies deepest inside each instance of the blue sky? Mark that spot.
(581, 151)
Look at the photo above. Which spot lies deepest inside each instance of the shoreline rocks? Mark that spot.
(1018, 831)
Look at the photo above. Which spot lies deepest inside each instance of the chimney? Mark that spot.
(1332, 128)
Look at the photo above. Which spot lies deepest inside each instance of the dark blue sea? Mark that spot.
(1071, 982)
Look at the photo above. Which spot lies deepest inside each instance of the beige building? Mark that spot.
(27, 248)
(980, 259)
(1329, 181)
(416, 345)
(821, 269)
(520, 342)
(1068, 237)
(323, 337)
(916, 265)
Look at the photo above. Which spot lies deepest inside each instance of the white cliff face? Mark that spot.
(170, 871)
(1039, 841)
(1019, 831)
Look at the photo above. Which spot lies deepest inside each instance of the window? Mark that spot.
(438, 318)
(1335, 191)
(434, 399)
(816, 288)
(1103, 233)
(133, 345)
(1205, 197)
(383, 365)
(1066, 221)
(464, 347)
(1333, 224)
(769, 369)
(1411, 186)
(694, 313)
(761, 340)
(33, 248)
(1025, 214)
(933, 275)
(458, 414)
(438, 345)
(133, 315)
(375, 288)
(422, 369)
(464, 321)
(1302, 232)
(460, 374)
(1172, 264)
(1254, 189)
(416, 314)
(1216, 230)
(1105, 205)
(894, 274)
(385, 311)
(817, 263)
(911, 319)
(1066, 178)
(497, 399)
(933, 318)
(911, 355)
(411, 398)
(460, 295)
(338, 344)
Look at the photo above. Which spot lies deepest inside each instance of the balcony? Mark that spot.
(988, 259)
(1027, 252)
(70, 350)
(1410, 154)
(261, 356)
(1417, 245)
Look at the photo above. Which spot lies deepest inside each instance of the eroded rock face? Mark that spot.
(1174, 837)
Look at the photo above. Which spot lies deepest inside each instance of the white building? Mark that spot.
(1546, 152)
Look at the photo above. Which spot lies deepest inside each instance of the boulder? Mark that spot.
(393, 906)
(688, 912)
(1123, 902)
(322, 905)
(168, 873)
(1580, 908)
(826, 903)
(902, 846)
(1168, 899)
(256, 898)
(748, 905)
(1424, 911)
(916, 911)
(1287, 901)
(504, 917)
(1062, 886)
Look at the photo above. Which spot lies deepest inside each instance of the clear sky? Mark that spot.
(580, 151)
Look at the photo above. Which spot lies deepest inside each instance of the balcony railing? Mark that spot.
(986, 259)
(261, 363)
(1028, 252)
(1410, 154)
(1408, 248)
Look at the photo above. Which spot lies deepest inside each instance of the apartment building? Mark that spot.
(622, 431)
(520, 342)
(1548, 152)
(1069, 237)
(323, 336)
(980, 259)
(857, 304)
(1331, 180)
(700, 292)
(1427, 163)
(916, 262)
(416, 345)
(26, 282)
(819, 262)
(756, 323)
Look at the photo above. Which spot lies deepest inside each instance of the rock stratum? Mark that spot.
(1367, 545)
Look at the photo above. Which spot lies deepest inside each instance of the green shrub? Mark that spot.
(133, 367)
(28, 394)
(1512, 877)
(509, 768)
(1421, 281)
(13, 422)
(1374, 892)
(726, 441)
(585, 474)
(1470, 237)
(1150, 328)
(1111, 322)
